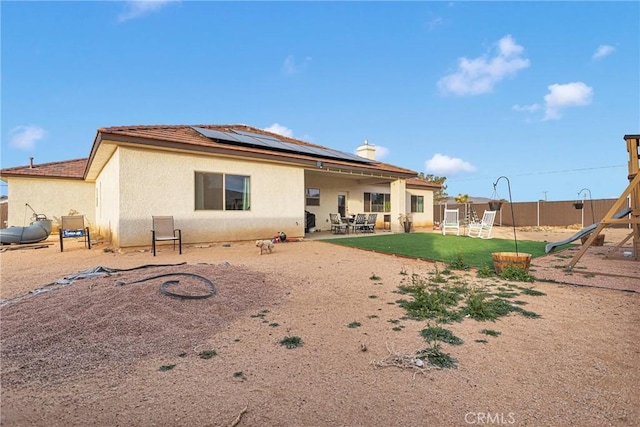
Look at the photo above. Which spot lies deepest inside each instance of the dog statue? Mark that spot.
(265, 246)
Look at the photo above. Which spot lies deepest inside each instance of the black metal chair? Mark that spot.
(73, 226)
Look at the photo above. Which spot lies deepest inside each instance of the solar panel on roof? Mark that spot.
(269, 142)
(279, 145)
(272, 143)
(215, 134)
(243, 138)
(255, 135)
(349, 156)
(250, 141)
(302, 149)
(327, 152)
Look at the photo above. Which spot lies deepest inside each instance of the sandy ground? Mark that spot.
(96, 352)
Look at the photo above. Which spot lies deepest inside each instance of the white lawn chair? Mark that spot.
(451, 221)
(483, 228)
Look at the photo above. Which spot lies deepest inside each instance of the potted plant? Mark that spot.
(506, 259)
(406, 220)
(502, 260)
(598, 241)
(578, 205)
(495, 205)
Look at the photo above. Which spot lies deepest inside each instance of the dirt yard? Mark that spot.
(103, 351)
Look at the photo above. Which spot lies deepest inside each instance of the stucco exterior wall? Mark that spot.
(163, 183)
(424, 219)
(52, 197)
(398, 197)
(331, 186)
(108, 201)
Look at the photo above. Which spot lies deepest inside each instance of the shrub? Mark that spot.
(291, 342)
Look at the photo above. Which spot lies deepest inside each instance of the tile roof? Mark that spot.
(69, 169)
(184, 137)
(189, 139)
(418, 182)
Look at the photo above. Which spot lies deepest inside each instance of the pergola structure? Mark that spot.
(631, 193)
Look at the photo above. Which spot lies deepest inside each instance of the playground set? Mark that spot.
(626, 210)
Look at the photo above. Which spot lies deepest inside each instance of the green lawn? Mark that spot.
(436, 247)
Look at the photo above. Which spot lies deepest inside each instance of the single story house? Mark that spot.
(219, 182)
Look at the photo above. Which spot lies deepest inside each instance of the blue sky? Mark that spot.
(540, 92)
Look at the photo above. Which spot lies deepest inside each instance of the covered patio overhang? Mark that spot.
(335, 181)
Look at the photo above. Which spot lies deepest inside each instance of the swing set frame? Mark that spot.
(630, 194)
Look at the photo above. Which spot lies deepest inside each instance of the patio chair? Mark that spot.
(370, 224)
(482, 229)
(360, 223)
(163, 231)
(337, 225)
(73, 226)
(451, 221)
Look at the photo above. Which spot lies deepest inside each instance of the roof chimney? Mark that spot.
(367, 151)
(30, 162)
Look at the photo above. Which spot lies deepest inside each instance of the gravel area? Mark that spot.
(95, 352)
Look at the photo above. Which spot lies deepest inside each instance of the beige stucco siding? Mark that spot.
(331, 186)
(108, 200)
(421, 219)
(52, 197)
(163, 183)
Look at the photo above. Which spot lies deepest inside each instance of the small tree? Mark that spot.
(462, 198)
(439, 196)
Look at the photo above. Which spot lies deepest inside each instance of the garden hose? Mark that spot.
(164, 287)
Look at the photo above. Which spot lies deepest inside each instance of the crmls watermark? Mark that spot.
(489, 418)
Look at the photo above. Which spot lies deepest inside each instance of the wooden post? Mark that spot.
(632, 192)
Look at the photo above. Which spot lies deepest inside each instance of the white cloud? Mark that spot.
(441, 164)
(508, 47)
(382, 152)
(25, 137)
(574, 94)
(137, 8)
(280, 130)
(289, 66)
(435, 23)
(602, 51)
(526, 108)
(480, 75)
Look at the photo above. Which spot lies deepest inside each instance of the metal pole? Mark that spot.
(593, 218)
(513, 220)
